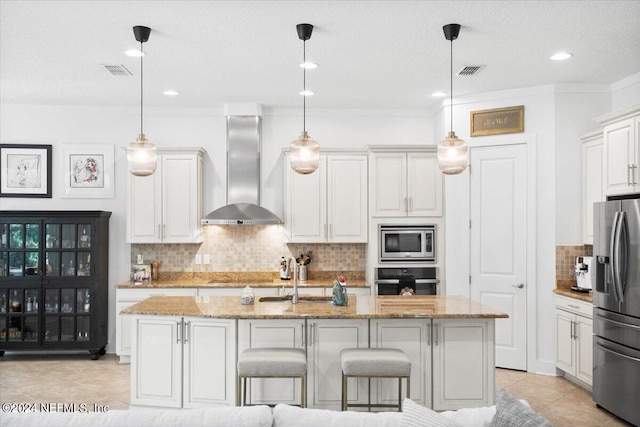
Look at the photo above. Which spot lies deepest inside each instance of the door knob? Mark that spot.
(519, 285)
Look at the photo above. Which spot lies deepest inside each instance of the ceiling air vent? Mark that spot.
(118, 70)
(470, 70)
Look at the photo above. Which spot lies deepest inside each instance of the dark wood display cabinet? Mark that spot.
(54, 281)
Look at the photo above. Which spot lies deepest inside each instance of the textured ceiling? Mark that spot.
(372, 54)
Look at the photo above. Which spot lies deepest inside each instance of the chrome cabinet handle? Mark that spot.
(435, 332)
(159, 232)
(577, 307)
(311, 332)
(410, 204)
(629, 172)
(303, 331)
(164, 230)
(633, 174)
(186, 331)
(179, 332)
(429, 336)
(519, 285)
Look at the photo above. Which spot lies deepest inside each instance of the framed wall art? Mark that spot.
(25, 170)
(497, 121)
(88, 171)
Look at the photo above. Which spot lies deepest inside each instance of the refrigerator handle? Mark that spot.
(621, 255)
(611, 279)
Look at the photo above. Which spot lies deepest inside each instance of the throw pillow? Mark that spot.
(510, 412)
(415, 415)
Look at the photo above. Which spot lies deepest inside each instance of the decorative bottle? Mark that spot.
(339, 294)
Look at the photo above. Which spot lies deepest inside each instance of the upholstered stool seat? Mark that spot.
(271, 363)
(374, 363)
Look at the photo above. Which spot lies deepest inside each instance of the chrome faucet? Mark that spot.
(294, 297)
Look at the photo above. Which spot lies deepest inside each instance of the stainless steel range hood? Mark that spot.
(243, 170)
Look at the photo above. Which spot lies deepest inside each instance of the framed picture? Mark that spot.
(141, 273)
(497, 121)
(25, 170)
(88, 171)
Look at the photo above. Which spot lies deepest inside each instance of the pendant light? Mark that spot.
(452, 152)
(142, 155)
(305, 151)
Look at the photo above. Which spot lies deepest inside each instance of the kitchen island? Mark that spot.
(184, 349)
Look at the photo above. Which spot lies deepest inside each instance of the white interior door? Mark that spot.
(498, 244)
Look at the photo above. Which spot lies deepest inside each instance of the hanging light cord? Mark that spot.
(451, 88)
(141, 86)
(304, 86)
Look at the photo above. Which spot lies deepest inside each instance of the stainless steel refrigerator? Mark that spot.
(616, 311)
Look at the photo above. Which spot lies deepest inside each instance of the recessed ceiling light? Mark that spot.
(439, 94)
(171, 92)
(309, 65)
(307, 92)
(135, 52)
(561, 56)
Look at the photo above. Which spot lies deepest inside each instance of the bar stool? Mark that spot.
(271, 363)
(374, 363)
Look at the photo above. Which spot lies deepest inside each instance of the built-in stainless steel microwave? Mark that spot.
(407, 243)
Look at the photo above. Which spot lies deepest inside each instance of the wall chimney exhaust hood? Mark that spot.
(244, 134)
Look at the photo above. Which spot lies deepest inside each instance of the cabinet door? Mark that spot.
(325, 339)
(463, 363)
(619, 146)
(584, 350)
(209, 362)
(388, 184)
(412, 337)
(181, 201)
(259, 333)
(156, 368)
(424, 185)
(347, 199)
(565, 348)
(592, 189)
(144, 207)
(305, 204)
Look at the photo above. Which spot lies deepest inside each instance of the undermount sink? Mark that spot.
(301, 299)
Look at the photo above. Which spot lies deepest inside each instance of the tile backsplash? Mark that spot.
(566, 261)
(249, 248)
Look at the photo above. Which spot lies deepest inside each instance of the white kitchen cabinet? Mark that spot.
(413, 336)
(126, 297)
(329, 205)
(405, 184)
(463, 363)
(261, 333)
(325, 339)
(574, 339)
(166, 207)
(621, 141)
(592, 179)
(183, 362)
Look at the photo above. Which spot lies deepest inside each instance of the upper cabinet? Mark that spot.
(330, 204)
(166, 207)
(621, 142)
(405, 183)
(592, 179)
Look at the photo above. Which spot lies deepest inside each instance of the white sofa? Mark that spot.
(281, 416)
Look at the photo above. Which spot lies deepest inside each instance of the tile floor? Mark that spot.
(77, 379)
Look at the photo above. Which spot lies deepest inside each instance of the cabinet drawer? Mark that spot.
(575, 306)
(141, 294)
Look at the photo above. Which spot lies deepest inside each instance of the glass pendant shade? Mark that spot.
(142, 157)
(452, 155)
(305, 154)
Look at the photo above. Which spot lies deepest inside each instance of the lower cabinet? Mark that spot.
(413, 337)
(463, 363)
(191, 362)
(574, 339)
(126, 297)
(183, 362)
(326, 338)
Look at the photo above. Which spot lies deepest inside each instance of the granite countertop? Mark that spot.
(204, 283)
(360, 307)
(583, 296)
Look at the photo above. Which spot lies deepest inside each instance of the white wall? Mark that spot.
(59, 125)
(625, 92)
(555, 117)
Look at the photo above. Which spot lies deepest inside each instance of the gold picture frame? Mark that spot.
(497, 121)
